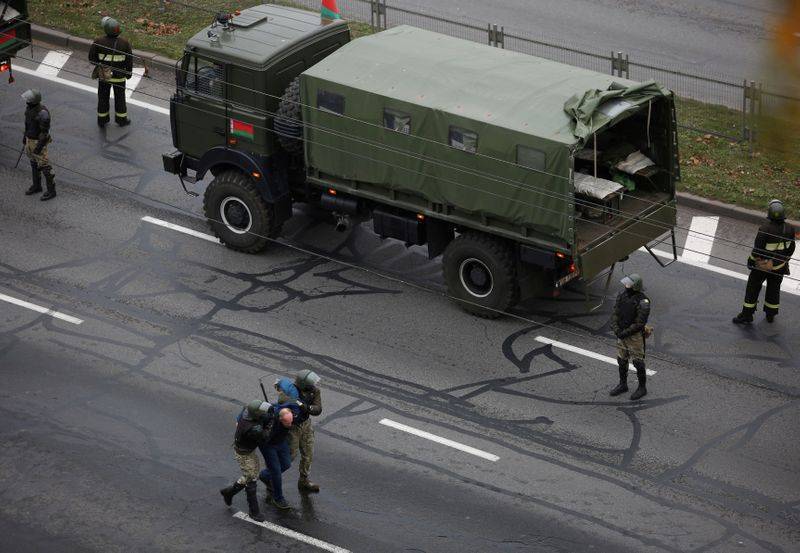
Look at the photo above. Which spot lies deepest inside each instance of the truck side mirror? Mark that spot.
(180, 73)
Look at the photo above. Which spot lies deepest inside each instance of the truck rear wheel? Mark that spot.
(288, 123)
(237, 214)
(479, 269)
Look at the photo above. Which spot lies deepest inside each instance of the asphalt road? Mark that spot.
(706, 37)
(116, 432)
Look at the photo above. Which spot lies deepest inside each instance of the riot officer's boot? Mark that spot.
(36, 187)
(50, 181)
(123, 122)
(622, 387)
(641, 375)
(743, 318)
(252, 501)
(230, 491)
(770, 317)
(307, 486)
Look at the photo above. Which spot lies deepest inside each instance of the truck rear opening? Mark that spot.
(625, 184)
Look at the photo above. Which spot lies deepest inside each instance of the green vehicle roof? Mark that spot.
(260, 34)
(495, 86)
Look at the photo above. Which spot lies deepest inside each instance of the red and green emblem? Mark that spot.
(329, 10)
(242, 129)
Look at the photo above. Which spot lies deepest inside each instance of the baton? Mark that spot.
(263, 390)
(22, 151)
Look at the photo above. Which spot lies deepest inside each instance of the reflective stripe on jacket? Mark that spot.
(775, 241)
(115, 53)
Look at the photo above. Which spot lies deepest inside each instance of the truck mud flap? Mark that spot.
(626, 240)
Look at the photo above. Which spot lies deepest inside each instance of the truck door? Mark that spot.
(199, 107)
(247, 118)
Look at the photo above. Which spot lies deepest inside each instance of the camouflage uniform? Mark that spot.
(248, 463)
(35, 140)
(39, 158)
(301, 437)
(631, 347)
(629, 324)
(252, 428)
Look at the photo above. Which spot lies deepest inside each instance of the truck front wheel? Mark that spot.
(237, 214)
(479, 271)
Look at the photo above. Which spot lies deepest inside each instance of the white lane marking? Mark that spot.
(52, 62)
(184, 230)
(40, 309)
(794, 270)
(440, 440)
(700, 239)
(586, 352)
(292, 534)
(133, 82)
(790, 287)
(87, 88)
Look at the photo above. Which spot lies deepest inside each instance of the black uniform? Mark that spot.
(774, 241)
(37, 125)
(114, 52)
(251, 433)
(36, 139)
(631, 311)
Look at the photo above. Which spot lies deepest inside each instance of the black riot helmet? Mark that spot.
(776, 211)
(257, 408)
(32, 97)
(633, 282)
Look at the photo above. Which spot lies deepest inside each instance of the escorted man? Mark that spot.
(253, 426)
(113, 58)
(35, 141)
(769, 261)
(629, 324)
(301, 437)
(276, 455)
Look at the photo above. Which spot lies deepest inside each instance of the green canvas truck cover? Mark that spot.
(437, 85)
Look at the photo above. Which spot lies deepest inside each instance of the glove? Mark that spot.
(303, 407)
(38, 149)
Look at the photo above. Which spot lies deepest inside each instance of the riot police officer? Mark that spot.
(769, 261)
(253, 426)
(301, 438)
(114, 53)
(629, 324)
(35, 141)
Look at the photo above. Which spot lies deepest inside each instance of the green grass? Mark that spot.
(712, 167)
(723, 169)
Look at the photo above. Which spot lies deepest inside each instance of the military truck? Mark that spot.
(524, 173)
(15, 32)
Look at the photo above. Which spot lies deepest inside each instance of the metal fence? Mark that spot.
(743, 100)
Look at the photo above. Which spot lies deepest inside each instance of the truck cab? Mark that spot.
(15, 32)
(229, 84)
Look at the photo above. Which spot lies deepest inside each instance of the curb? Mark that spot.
(64, 40)
(726, 210)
